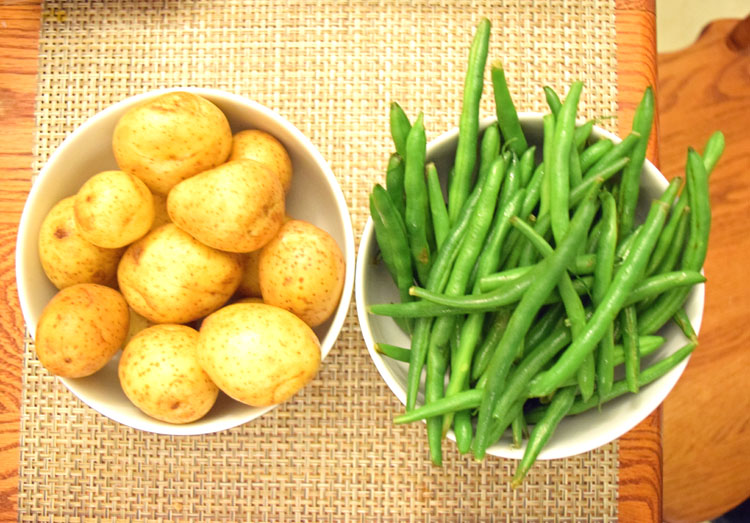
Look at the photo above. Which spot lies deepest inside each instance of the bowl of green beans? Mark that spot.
(530, 285)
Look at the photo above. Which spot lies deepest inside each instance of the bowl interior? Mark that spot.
(575, 434)
(314, 196)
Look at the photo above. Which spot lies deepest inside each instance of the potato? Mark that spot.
(258, 354)
(66, 257)
(137, 324)
(254, 144)
(113, 209)
(236, 207)
(80, 329)
(160, 374)
(302, 270)
(170, 138)
(250, 284)
(170, 277)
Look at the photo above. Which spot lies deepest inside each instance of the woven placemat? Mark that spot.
(331, 68)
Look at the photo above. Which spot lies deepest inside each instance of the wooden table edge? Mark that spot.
(640, 454)
(640, 450)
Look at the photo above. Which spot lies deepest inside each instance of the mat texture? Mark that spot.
(331, 68)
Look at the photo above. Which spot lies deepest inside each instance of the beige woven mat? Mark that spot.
(331, 68)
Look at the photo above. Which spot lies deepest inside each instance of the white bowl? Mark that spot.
(315, 196)
(576, 434)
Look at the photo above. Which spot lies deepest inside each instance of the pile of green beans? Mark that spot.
(527, 281)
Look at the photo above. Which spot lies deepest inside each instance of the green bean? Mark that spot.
(518, 427)
(490, 257)
(507, 117)
(400, 127)
(627, 243)
(624, 280)
(695, 251)
(559, 175)
(489, 149)
(674, 252)
(582, 135)
(440, 220)
(663, 282)
(620, 150)
(393, 352)
(631, 175)
(631, 350)
(468, 125)
(437, 364)
(553, 100)
(713, 151)
(592, 242)
(416, 199)
(545, 277)
(512, 182)
(605, 262)
(394, 182)
(593, 153)
(526, 165)
(548, 126)
(542, 431)
(544, 326)
(533, 191)
(463, 429)
(467, 399)
(390, 234)
(678, 214)
(683, 322)
(576, 175)
(491, 339)
(420, 339)
(620, 388)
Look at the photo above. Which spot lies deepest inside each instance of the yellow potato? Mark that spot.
(170, 138)
(160, 211)
(258, 354)
(113, 209)
(254, 144)
(160, 374)
(170, 277)
(137, 324)
(302, 270)
(80, 329)
(250, 285)
(66, 257)
(236, 207)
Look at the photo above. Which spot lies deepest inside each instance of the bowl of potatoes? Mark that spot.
(185, 261)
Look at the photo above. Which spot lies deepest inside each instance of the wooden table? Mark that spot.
(640, 450)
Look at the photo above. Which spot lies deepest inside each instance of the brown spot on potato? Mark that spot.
(60, 233)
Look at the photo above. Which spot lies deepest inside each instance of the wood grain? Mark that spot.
(707, 416)
(19, 48)
(640, 473)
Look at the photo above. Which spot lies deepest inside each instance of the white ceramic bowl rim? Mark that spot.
(24, 276)
(638, 406)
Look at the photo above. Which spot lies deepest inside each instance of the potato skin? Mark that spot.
(160, 374)
(170, 277)
(170, 138)
(236, 207)
(66, 257)
(264, 148)
(113, 209)
(80, 329)
(258, 354)
(302, 270)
